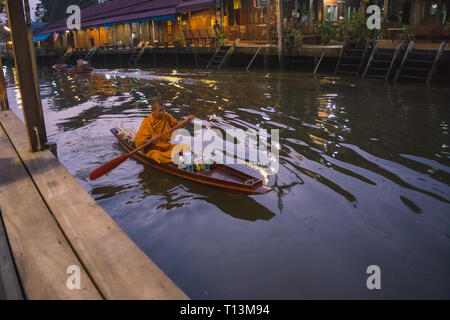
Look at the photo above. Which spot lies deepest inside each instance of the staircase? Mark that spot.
(63, 58)
(382, 62)
(419, 65)
(136, 55)
(221, 55)
(90, 53)
(350, 61)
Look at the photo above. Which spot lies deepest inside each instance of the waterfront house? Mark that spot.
(124, 23)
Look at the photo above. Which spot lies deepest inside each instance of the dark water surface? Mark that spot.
(363, 180)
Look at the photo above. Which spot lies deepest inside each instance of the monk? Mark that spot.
(158, 122)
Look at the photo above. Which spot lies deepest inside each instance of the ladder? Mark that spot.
(382, 62)
(90, 53)
(419, 65)
(351, 61)
(136, 55)
(63, 58)
(318, 63)
(257, 51)
(221, 55)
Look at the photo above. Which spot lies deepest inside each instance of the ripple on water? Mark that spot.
(363, 178)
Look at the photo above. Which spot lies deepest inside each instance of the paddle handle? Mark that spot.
(175, 127)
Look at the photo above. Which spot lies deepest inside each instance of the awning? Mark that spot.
(195, 5)
(169, 17)
(41, 37)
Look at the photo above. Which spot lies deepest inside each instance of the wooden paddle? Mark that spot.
(107, 167)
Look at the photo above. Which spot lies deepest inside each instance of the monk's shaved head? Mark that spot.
(158, 109)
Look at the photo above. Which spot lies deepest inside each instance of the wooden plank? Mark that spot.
(27, 75)
(41, 252)
(9, 283)
(117, 266)
(279, 7)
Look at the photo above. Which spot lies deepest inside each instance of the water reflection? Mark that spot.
(154, 182)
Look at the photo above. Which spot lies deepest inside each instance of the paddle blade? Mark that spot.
(107, 167)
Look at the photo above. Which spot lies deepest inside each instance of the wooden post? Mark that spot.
(87, 38)
(153, 31)
(386, 7)
(189, 21)
(4, 105)
(279, 4)
(25, 63)
(269, 40)
(148, 31)
(131, 35)
(123, 33)
(362, 9)
(311, 12)
(222, 23)
(99, 37)
(320, 9)
(113, 27)
(75, 35)
(417, 12)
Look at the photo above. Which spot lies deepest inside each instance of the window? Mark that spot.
(400, 11)
(331, 13)
(350, 12)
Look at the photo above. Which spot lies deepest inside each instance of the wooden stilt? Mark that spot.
(280, 32)
(27, 74)
(114, 34)
(4, 105)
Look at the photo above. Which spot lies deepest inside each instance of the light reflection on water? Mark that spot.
(363, 179)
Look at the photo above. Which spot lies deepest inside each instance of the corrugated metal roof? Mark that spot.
(116, 12)
(195, 5)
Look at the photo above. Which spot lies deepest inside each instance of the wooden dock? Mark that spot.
(50, 223)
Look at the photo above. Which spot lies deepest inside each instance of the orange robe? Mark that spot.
(160, 151)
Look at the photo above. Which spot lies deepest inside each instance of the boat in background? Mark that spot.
(72, 69)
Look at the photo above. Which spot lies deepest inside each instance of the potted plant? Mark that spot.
(293, 35)
(407, 35)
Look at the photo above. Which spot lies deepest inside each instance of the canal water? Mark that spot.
(363, 180)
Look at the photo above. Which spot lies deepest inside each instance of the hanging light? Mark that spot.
(6, 28)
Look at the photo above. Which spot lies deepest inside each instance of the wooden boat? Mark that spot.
(219, 175)
(72, 69)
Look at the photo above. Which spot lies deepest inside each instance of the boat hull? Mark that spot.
(60, 67)
(220, 176)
